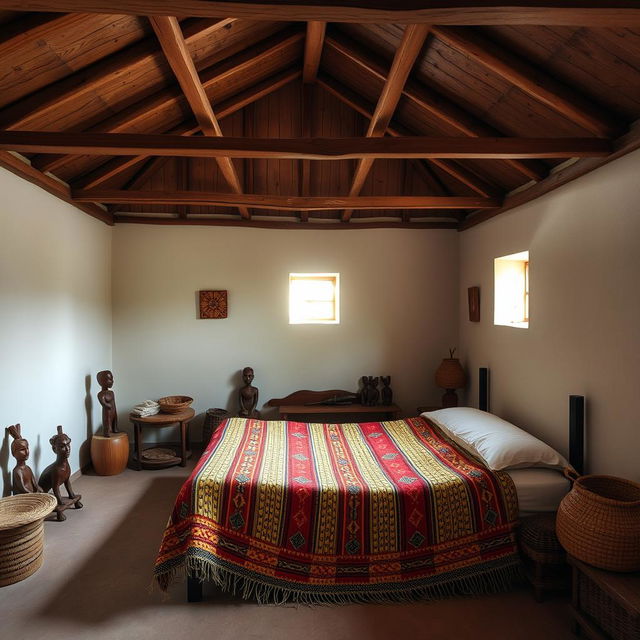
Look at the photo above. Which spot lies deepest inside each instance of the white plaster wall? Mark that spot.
(55, 319)
(584, 331)
(398, 312)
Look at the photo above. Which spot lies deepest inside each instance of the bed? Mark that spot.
(284, 511)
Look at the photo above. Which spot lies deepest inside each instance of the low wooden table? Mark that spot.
(339, 413)
(181, 419)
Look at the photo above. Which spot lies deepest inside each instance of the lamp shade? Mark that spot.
(450, 374)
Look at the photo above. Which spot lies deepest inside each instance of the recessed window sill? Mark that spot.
(517, 325)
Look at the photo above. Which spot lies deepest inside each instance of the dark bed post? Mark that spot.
(483, 389)
(194, 590)
(576, 433)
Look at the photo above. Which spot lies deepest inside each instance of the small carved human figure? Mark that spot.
(375, 394)
(364, 392)
(248, 395)
(386, 393)
(107, 398)
(22, 478)
(58, 473)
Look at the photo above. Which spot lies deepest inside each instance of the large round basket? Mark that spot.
(174, 404)
(22, 534)
(599, 522)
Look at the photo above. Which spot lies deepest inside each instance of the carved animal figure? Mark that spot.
(375, 394)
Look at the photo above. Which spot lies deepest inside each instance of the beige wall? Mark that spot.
(55, 318)
(584, 331)
(398, 311)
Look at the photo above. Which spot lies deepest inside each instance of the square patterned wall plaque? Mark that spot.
(213, 304)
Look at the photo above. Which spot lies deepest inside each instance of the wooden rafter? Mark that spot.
(313, 50)
(284, 203)
(114, 167)
(457, 171)
(169, 34)
(530, 79)
(412, 41)
(129, 144)
(595, 13)
(432, 102)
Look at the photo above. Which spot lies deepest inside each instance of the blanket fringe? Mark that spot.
(492, 580)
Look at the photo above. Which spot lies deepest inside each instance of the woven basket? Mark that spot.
(174, 404)
(22, 534)
(212, 420)
(599, 522)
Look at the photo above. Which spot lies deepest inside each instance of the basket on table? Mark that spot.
(174, 404)
(22, 534)
(599, 522)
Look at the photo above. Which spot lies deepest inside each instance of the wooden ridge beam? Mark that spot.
(435, 104)
(588, 13)
(456, 170)
(114, 167)
(169, 33)
(281, 224)
(530, 79)
(408, 50)
(130, 144)
(55, 187)
(313, 50)
(284, 203)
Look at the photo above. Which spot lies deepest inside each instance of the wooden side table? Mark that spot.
(605, 604)
(181, 419)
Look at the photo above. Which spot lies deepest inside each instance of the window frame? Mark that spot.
(334, 278)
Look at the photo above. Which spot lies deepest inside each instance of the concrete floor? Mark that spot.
(96, 577)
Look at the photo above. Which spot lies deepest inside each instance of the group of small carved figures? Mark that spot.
(52, 478)
(370, 396)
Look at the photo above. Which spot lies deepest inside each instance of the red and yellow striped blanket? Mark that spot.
(341, 513)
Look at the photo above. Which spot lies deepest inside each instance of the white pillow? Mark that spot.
(500, 444)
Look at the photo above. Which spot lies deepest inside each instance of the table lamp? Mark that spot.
(450, 376)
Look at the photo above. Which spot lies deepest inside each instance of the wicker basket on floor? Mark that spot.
(599, 522)
(212, 420)
(22, 534)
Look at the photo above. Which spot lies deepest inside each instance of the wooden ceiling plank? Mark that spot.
(283, 203)
(113, 144)
(530, 79)
(437, 105)
(408, 50)
(313, 50)
(169, 34)
(594, 13)
(457, 171)
(115, 166)
(59, 189)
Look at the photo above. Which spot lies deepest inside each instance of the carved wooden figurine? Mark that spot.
(369, 394)
(375, 394)
(107, 398)
(364, 392)
(58, 473)
(248, 395)
(386, 393)
(22, 478)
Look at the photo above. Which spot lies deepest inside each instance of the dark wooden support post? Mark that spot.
(194, 590)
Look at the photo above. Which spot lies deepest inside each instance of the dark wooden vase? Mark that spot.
(109, 456)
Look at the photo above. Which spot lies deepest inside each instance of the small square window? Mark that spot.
(511, 301)
(314, 298)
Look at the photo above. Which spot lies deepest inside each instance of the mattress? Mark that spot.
(539, 489)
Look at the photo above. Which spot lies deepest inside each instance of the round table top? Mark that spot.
(164, 418)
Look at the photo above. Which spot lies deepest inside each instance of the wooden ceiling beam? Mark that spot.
(114, 167)
(454, 169)
(167, 29)
(410, 46)
(530, 79)
(130, 144)
(284, 203)
(433, 103)
(313, 50)
(59, 189)
(588, 13)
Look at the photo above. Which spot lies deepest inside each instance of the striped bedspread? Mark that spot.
(289, 511)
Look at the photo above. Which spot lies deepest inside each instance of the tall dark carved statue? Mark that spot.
(107, 398)
(248, 396)
(386, 393)
(58, 474)
(22, 478)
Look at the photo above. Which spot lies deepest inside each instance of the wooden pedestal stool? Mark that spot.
(544, 558)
